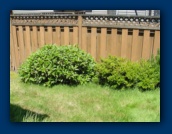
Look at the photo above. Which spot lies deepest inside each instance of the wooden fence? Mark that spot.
(129, 37)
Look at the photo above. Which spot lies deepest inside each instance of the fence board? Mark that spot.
(21, 44)
(119, 40)
(57, 36)
(75, 35)
(89, 41)
(27, 42)
(108, 42)
(49, 36)
(93, 42)
(62, 36)
(66, 35)
(129, 45)
(84, 39)
(135, 46)
(12, 52)
(15, 44)
(151, 44)
(124, 43)
(146, 45)
(42, 40)
(103, 49)
(113, 49)
(156, 42)
(140, 45)
(34, 39)
(71, 36)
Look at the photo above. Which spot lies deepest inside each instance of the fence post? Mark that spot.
(80, 30)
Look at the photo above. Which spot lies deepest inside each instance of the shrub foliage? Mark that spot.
(121, 73)
(52, 65)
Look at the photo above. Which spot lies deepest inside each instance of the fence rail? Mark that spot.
(130, 37)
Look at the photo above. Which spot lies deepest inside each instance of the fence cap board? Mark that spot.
(117, 21)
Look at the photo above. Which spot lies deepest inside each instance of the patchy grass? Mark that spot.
(87, 103)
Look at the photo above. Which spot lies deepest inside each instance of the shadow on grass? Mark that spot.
(17, 114)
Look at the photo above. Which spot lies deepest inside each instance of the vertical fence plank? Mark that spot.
(80, 30)
(89, 41)
(108, 42)
(71, 36)
(15, 44)
(119, 41)
(42, 40)
(129, 45)
(12, 52)
(156, 42)
(35, 39)
(93, 42)
(140, 44)
(21, 44)
(66, 35)
(103, 43)
(146, 45)
(151, 43)
(75, 35)
(98, 45)
(61, 35)
(84, 39)
(57, 36)
(49, 35)
(27, 42)
(124, 43)
(135, 54)
(113, 49)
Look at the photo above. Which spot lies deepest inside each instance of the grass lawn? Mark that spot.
(88, 103)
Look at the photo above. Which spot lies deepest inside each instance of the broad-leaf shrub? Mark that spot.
(52, 65)
(120, 73)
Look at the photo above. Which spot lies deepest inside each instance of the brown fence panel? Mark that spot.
(75, 35)
(84, 39)
(15, 46)
(27, 41)
(103, 49)
(124, 43)
(135, 46)
(146, 45)
(12, 53)
(113, 49)
(156, 42)
(119, 41)
(98, 35)
(66, 35)
(21, 44)
(93, 42)
(108, 42)
(89, 40)
(42, 40)
(129, 44)
(34, 39)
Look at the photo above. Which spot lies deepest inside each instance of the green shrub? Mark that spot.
(149, 76)
(120, 73)
(52, 65)
(117, 72)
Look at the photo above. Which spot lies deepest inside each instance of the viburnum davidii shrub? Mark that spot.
(53, 65)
